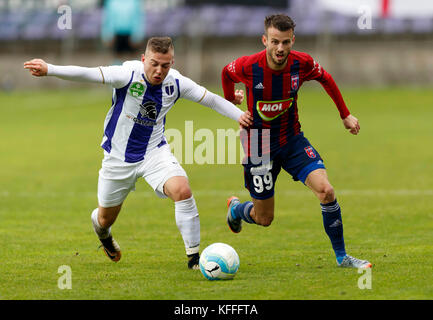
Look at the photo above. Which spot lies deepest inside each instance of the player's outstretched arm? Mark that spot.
(117, 76)
(226, 108)
(194, 92)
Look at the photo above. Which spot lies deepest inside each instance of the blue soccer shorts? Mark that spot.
(298, 158)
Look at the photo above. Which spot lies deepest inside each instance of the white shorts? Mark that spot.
(117, 178)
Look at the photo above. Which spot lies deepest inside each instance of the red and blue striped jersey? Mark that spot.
(272, 95)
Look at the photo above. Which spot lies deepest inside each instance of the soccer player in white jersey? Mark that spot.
(134, 143)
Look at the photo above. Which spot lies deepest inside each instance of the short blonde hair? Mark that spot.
(160, 44)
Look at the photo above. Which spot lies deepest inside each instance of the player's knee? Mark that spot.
(326, 193)
(181, 192)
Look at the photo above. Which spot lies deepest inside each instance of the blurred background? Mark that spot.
(361, 42)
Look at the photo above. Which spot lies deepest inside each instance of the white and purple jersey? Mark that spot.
(135, 122)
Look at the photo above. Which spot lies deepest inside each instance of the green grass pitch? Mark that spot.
(50, 157)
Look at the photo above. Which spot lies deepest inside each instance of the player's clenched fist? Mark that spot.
(352, 124)
(37, 67)
(239, 97)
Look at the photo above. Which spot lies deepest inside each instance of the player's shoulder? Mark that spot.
(173, 76)
(173, 73)
(252, 59)
(133, 65)
(301, 56)
(243, 63)
(305, 60)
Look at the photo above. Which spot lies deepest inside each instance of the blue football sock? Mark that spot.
(242, 211)
(333, 224)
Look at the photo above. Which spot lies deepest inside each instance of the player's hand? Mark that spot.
(37, 67)
(352, 124)
(239, 97)
(245, 120)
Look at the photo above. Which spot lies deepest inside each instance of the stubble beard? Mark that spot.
(276, 62)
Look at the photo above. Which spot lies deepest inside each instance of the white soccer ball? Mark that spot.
(219, 261)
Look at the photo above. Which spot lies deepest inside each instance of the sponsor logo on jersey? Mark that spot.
(259, 86)
(143, 122)
(295, 82)
(148, 110)
(269, 110)
(136, 89)
(310, 152)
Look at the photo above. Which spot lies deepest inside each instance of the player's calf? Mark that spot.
(263, 211)
(265, 222)
(188, 223)
(111, 247)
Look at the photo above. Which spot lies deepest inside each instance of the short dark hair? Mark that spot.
(280, 22)
(160, 44)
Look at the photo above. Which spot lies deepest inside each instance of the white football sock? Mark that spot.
(188, 222)
(102, 233)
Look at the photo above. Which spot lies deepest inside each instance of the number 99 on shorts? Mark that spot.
(262, 183)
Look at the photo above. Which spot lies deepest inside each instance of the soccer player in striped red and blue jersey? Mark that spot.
(134, 143)
(272, 79)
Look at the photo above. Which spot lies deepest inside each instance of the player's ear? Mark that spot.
(142, 57)
(264, 40)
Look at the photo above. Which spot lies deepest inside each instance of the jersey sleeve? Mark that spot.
(312, 69)
(117, 76)
(190, 90)
(231, 74)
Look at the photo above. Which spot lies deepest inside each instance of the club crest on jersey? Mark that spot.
(136, 89)
(310, 152)
(294, 82)
(269, 110)
(148, 110)
(169, 89)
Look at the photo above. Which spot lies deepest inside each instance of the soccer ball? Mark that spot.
(219, 261)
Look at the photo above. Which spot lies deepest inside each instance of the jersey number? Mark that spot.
(262, 183)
